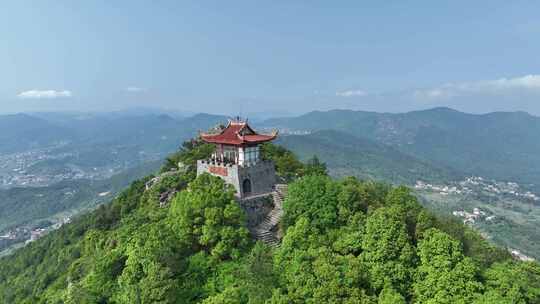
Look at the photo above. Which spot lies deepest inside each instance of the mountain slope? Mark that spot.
(346, 154)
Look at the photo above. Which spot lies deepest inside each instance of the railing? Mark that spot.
(215, 162)
(230, 163)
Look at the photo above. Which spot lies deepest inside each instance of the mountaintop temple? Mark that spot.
(237, 159)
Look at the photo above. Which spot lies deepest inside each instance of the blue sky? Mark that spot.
(238, 57)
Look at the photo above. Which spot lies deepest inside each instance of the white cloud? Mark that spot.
(49, 94)
(438, 93)
(135, 89)
(524, 83)
(351, 93)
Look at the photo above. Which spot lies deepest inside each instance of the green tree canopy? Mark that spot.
(314, 166)
(314, 197)
(387, 251)
(206, 217)
(444, 274)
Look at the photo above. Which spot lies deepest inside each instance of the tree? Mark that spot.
(512, 282)
(315, 198)
(287, 164)
(318, 275)
(352, 199)
(389, 296)
(101, 283)
(259, 278)
(232, 295)
(158, 285)
(444, 274)
(147, 276)
(402, 199)
(247, 280)
(206, 217)
(188, 154)
(314, 166)
(387, 252)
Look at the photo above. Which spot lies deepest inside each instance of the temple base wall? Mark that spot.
(257, 209)
(260, 177)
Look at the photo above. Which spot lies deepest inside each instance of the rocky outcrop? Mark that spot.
(155, 180)
(165, 197)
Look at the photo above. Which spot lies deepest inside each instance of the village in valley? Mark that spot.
(474, 183)
(45, 166)
(489, 206)
(25, 234)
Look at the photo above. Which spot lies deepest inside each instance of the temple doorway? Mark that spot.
(246, 187)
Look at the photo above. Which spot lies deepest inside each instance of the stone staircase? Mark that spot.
(268, 231)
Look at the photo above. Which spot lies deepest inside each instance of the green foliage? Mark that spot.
(387, 251)
(206, 217)
(444, 275)
(148, 273)
(312, 273)
(390, 296)
(512, 282)
(474, 246)
(314, 166)
(190, 152)
(287, 164)
(314, 197)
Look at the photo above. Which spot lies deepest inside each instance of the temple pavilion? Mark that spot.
(237, 159)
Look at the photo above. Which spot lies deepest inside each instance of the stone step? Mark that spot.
(269, 222)
(266, 235)
(263, 231)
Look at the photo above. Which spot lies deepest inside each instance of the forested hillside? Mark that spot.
(350, 155)
(345, 241)
(501, 145)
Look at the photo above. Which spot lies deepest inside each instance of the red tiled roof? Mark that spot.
(237, 133)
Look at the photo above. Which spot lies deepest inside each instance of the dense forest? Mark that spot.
(344, 241)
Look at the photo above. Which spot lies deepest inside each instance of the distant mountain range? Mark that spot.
(348, 155)
(502, 145)
(20, 132)
(154, 132)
